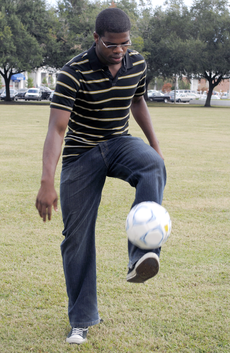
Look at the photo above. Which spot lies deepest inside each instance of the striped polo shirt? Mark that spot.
(99, 103)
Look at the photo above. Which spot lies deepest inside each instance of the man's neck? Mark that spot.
(114, 69)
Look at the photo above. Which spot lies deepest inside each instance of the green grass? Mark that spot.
(185, 308)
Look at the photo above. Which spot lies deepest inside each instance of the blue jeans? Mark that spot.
(82, 180)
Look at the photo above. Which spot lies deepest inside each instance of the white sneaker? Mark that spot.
(145, 268)
(77, 335)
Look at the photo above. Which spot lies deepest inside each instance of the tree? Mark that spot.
(19, 50)
(30, 82)
(78, 22)
(44, 82)
(30, 37)
(166, 45)
(183, 84)
(193, 43)
(166, 87)
(211, 28)
(79, 17)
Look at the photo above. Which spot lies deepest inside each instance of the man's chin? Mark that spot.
(115, 61)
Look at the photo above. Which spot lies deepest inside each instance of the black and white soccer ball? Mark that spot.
(148, 225)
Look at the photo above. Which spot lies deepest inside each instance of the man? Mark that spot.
(93, 96)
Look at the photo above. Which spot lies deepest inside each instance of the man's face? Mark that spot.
(113, 55)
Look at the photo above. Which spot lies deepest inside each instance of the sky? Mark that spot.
(154, 2)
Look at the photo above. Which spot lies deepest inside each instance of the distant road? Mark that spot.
(214, 102)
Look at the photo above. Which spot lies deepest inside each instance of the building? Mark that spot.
(224, 86)
(39, 77)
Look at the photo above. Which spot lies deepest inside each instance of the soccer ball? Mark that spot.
(148, 225)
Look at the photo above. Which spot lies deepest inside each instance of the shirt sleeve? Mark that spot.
(141, 88)
(66, 89)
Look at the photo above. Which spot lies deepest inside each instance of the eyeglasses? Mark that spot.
(113, 46)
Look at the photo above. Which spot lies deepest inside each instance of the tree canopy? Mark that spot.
(193, 42)
(19, 50)
(33, 35)
(211, 30)
(30, 37)
(175, 40)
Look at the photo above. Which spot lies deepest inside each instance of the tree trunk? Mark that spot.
(7, 87)
(7, 75)
(209, 96)
(213, 81)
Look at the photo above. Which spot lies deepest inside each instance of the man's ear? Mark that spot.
(96, 37)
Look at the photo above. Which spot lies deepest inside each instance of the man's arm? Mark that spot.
(141, 114)
(47, 196)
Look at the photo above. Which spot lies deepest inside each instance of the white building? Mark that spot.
(194, 83)
(39, 77)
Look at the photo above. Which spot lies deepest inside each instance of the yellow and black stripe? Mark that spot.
(99, 103)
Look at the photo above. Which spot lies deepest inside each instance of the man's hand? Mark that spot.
(46, 198)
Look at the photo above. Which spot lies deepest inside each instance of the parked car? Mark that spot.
(225, 95)
(192, 95)
(203, 96)
(33, 94)
(21, 93)
(150, 91)
(13, 94)
(158, 97)
(181, 97)
(46, 91)
(214, 96)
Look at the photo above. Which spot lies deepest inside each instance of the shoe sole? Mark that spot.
(76, 341)
(77, 338)
(146, 268)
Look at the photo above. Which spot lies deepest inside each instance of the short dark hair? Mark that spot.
(112, 20)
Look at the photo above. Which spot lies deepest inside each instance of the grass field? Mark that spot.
(186, 308)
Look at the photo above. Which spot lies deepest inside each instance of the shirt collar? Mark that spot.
(97, 64)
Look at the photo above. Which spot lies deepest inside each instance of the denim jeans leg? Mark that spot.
(131, 159)
(81, 186)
